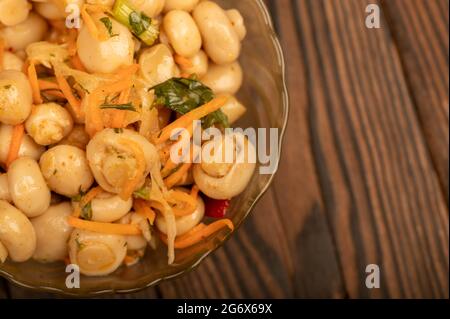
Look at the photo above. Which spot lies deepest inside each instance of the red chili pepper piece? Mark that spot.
(216, 208)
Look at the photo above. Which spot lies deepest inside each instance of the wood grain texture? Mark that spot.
(296, 186)
(421, 31)
(3, 289)
(381, 192)
(254, 263)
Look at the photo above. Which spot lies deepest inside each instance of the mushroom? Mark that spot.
(221, 179)
(27, 148)
(96, 254)
(27, 187)
(66, 170)
(184, 223)
(49, 123)
(118, 158)
(52, 232)
(107, 207)
(17, 236)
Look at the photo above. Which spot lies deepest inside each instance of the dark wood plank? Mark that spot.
(420, 28)
(381, 192)
(252, 264)
(3, 289)
(317, 272)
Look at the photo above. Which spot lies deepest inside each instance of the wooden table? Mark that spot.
(364, 175)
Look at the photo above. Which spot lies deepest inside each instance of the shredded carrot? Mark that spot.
(199, 234)
(94, 192)
(104, 228)
(142, 208)
(118, 120)
(55, 93)
(176, 196)
(194, 191)
(183, 62)
(94, 122)
(193, 115)
(2, 53)
(16, 141)
(47, 85)
(130, 185)
(32, 76)
(77, 64)
(90, 24)
(169, 167)
(173, 179)
(67, 91)
(197, 228)
(127, 71)
(72, 42)
(59, 25)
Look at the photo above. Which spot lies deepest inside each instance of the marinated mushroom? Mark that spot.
(224, 79)
(13, 12)
(108, 208)
(27, 187)
(17, 236)
(12, 61)
(96, 254)
(66, 170)
(182, 33)
(27, 147)
(218, 179)
(220, 40)
(184, 223)
(49, 123)
(4, 188)
(15, 97)
(108, 54)
(19, 36)
(157, 65)
(120, 158)
(52, 233)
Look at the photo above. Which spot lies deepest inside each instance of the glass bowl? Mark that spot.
(264, 93)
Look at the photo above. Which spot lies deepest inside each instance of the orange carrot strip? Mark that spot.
(104, 228)
(77, 64)
(32, 76)
(131, 185)
(194, 192)
(67, 91)
(72, 42)
(94, 192)
(183, 62)
(2, 53)
(201, 234)
(142, 208)
(118, 120)
(193, 115)
(16, 141)
(47, 85)
(173, 179)
(55, 93)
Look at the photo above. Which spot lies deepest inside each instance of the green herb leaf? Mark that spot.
(142, 193)
(80, 245)
(217, 117)
(140, 25)
(80, 195)
(108, 25)
(123, 107)
(86, 212)
(184, 95)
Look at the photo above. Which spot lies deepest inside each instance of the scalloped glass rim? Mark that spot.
(221, 238)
